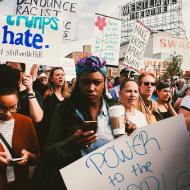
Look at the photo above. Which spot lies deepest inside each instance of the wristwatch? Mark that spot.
(31, 95)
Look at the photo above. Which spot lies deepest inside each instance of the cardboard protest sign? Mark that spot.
(153, 157)
(136, 47)
(169, 45)
(107, 36)
(173, 45)
(30, 39)
(67, 10)
(69, 68)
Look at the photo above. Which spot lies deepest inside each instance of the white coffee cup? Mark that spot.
(117, 117)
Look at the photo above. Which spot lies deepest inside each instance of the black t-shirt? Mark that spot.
(50, 102)
(166, 115)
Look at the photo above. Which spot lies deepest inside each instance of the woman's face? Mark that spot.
(147, 86)
(8, 106)
(163, 94)
(129, 94)
(91, 86)
(58, 77)
(43, 80)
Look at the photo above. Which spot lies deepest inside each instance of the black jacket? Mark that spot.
(58, 151)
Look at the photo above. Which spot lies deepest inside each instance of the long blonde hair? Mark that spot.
(64, 90)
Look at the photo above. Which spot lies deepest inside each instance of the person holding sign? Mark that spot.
(18, 140)
(30, 100)
(128, 95)
(80, 124)
(145, 104)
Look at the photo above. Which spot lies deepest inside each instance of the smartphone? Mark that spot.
(16, 159)
(169, 99)
(90, 126)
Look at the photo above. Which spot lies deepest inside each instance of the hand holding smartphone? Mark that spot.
(90, 126)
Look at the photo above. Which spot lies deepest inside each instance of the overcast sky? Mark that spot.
(85, 19)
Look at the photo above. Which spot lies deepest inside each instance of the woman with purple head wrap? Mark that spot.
(91, 64)
(68, 138)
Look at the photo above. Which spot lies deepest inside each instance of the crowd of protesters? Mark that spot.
(42, 116)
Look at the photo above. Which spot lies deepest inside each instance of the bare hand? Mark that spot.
(27, 81)
(83, 139)
(130, 127)
(26, 156)
(169, 101)
(3, 159)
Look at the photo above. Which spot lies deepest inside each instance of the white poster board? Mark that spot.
(136, 47)
(173, 45)
(107, 37)
(30, 39)
(69, 68)
(67, 10)
(153, 158)
(169, 45)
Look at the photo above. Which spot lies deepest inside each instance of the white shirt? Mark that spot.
(186, 102)
(138, 118)
(6, 129)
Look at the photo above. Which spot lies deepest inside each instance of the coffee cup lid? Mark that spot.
(116, 110)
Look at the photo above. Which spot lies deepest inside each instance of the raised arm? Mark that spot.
(36, 111)
(34, 71)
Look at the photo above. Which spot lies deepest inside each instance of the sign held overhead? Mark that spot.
(136, 47)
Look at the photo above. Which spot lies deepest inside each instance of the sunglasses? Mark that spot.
(149, 83)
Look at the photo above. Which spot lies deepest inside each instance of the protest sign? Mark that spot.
(107, 36)
(136, 47)
(69, 68)
(30, 39)
(67, 10)
(153, 157)
(168, 45)
(79, 55)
